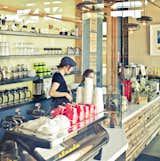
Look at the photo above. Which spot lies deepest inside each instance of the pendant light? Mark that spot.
(131, 27)
(144, 19)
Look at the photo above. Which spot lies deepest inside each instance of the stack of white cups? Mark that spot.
(98, 99)
(89, 95)
(88, 90)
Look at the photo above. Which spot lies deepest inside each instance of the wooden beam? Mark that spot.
(111, 70)
(78, 44)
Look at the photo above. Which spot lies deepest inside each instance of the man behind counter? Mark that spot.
(59, 90)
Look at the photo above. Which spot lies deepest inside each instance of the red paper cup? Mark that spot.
(80, 112)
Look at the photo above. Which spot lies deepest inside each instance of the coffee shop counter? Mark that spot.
(116, 147)
(141, 124)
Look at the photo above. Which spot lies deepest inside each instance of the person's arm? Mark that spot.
(54, 93)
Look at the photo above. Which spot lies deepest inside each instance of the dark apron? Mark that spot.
(59, 101)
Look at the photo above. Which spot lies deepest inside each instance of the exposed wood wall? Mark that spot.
(112, 53)
(78, 43)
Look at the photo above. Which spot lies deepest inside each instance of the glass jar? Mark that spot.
(5, 98)
(22, 94)
(24, 28)
(45, 50)
(4, 24)
(1, 99)
(27, 93)
(11, 96)
(39, 74)
(33, 29)
(25, 72)
(15, 27)
(20, 70)
(16, 96)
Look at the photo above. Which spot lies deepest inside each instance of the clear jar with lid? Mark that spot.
(14, 74)
(33, 29)
(16, 93)
(45, 50)
(5, 98)
(27, 93)
(22, 94)
(11, 96)
(25, 72)
(16, 26)
(1, 99)
(24, 28)
(19, 71)
(4, 25)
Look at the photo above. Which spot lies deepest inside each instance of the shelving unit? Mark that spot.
(17, 80)
(30, 79)
(18, 33)
(29, 102)
(35, 55)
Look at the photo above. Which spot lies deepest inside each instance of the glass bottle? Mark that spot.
(16, 96)
(1, 99)
(27, 93)
(10, 97)
(24, 28)
(5, 98)
(22, 94)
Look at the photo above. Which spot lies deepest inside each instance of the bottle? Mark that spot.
(16, 96)
(5, 98)
(1, 98)
(27, 93)
(22, 94)
(10, 96)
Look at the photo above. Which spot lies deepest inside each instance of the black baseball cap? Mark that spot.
(67, 61)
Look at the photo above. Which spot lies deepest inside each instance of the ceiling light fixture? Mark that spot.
(144, 19)
(131, 27)
(126, 13)
(121, 5)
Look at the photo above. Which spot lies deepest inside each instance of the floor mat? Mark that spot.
(145, 157)
(153, 148)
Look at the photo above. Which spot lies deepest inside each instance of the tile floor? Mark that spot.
(152, 151)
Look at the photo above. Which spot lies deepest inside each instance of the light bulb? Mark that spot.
(144, 23)
(130, 31)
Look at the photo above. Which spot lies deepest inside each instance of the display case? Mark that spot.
(113, 107)
(80, 142)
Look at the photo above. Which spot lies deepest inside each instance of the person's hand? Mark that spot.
(69, 97)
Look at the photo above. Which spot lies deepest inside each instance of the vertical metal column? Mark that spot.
(119, 39)
(99, 52)
(86, 43)
(99, 49)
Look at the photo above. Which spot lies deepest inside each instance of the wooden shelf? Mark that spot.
(35, 55)
(27, 79)
(18, 33)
